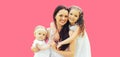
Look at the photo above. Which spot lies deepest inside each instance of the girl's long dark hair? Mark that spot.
(64, 33)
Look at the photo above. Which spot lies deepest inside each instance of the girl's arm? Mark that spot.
(70, 33)
(70, 52)
(72, 37)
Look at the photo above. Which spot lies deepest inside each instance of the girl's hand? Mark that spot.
(59, 45)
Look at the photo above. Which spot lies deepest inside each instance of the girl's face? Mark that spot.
(73, 16)
(40, 35)
(61, 17)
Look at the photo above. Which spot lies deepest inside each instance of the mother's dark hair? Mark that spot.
(57, 9)
(64, 33)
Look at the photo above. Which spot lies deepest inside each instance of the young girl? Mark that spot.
(40, 34)
(77, 32)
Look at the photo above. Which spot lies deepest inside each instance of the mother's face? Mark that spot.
(61, 17)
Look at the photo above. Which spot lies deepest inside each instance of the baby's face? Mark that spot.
(40, 35)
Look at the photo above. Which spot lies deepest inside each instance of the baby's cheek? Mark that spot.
(44, 37)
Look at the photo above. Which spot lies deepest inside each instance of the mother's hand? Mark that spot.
(53, 45)
(56, 37)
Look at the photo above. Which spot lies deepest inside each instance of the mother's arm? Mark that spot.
(55, 34)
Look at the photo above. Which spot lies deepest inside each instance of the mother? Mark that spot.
(59, 32)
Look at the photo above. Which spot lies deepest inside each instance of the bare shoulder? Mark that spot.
(52, 24)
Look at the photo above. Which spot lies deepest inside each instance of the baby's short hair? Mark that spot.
(40, 27)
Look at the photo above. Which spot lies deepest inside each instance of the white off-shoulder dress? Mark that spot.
(82, 44)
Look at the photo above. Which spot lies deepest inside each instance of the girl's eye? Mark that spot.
(75, 15)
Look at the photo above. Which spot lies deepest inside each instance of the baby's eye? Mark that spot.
(39, 33)
(43, 34)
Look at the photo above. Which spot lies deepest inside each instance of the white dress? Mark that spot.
(41, 53)
(82, 44)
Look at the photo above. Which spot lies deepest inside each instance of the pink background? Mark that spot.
(19, 17)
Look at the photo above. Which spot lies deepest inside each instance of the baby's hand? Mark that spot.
(35, 49)
(37, 46)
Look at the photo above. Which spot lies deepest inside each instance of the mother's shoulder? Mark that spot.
(52, 23)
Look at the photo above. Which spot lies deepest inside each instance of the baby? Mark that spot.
(40, 34)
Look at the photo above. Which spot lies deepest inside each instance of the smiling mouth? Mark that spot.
(62, 21)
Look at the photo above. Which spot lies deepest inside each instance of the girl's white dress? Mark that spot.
(41, 53)
(82, 44)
